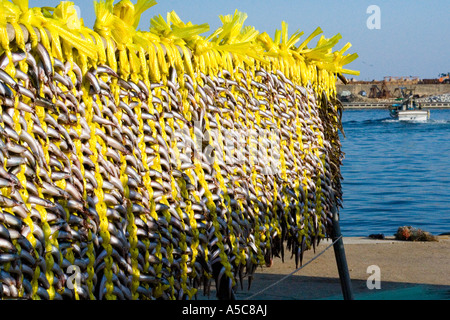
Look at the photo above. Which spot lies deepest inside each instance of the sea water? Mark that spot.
(395, 173)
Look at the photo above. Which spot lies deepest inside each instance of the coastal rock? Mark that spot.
(437, 98)
(408, 233)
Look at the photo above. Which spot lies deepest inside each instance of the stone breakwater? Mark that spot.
(444, 98)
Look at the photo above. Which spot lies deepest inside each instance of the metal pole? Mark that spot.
(341, 261)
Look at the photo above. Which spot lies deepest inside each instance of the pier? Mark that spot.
(387, 104)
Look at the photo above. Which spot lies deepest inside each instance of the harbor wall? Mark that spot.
(386, 104)
(420, 89)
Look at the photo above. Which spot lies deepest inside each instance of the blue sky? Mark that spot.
(413, 39)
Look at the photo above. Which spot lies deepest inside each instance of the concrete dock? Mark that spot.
(407, 271)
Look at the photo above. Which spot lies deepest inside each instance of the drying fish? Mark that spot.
(153, 169)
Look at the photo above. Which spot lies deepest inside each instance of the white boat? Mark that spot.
(407, 110)
(413, 115)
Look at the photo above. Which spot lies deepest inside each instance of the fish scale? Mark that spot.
(158, 171)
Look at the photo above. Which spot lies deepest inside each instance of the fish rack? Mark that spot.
(134, 167)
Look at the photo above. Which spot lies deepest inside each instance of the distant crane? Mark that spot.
(403, 92)
(444, 77)
(382, 93)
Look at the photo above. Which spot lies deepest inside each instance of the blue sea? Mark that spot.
(396, 173)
